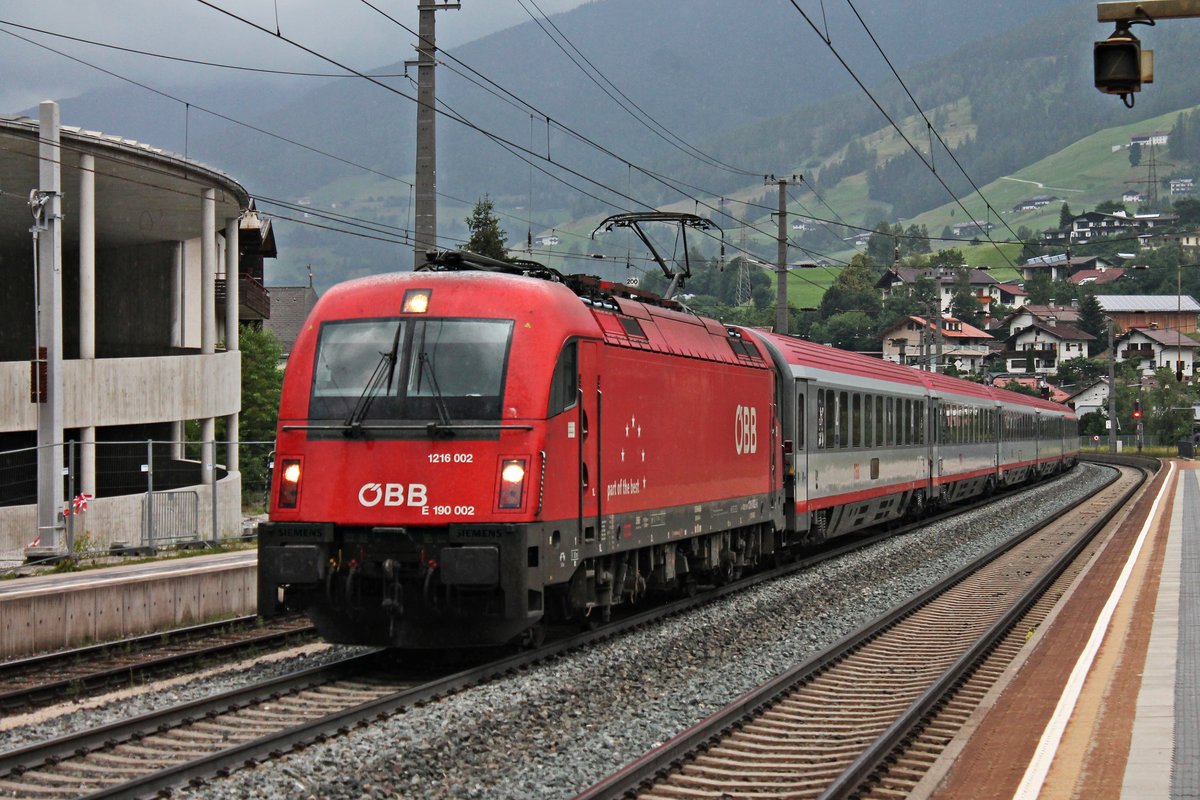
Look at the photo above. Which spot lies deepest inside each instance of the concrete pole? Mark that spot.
(177, 295)
(1112, 388)
(232, 304)
(87, 307)
(425, 212)
(49, 327)
(781, 298)
(208, 315)
(177, 334)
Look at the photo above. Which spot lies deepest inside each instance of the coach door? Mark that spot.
(590, 406)
(796, 462)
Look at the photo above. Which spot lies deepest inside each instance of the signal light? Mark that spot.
(1120, 64)
(1137, 409)
(1179, 371)
(289, 483)
(512, 483)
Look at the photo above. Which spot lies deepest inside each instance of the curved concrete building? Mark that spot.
(118, 327)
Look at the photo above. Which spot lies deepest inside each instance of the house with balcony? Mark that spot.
(914, 342)
(135, 338)
(1098, 225)
(1060, 267)
(1050, 314)
(1166, 312)
(1154, 348)
(1039, 347)
(986, 289)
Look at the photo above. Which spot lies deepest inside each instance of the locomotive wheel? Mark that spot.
(534, 637)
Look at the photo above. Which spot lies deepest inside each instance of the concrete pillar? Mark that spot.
(208, 273)
(177, 297)
(208, 316)
(86, 481)
(232, 304)
(49, 327)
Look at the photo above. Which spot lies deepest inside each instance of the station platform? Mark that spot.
(53, 611)
(1105, 704)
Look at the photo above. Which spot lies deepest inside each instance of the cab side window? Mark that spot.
(564, 386)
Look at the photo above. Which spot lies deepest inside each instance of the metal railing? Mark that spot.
(143, 494)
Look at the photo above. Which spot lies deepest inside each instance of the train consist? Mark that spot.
(467, 451)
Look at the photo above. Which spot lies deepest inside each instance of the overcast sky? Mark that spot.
(346, 30)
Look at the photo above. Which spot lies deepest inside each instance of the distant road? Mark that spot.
(1041, 185)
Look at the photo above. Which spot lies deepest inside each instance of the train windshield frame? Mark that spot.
(406, 369)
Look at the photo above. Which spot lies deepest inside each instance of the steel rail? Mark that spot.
(627, 781)
(878, 751)
(52, 663)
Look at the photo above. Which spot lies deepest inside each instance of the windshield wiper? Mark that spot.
(385, 370)
(439, 403)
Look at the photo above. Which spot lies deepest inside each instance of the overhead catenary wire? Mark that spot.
(642, 116)
(879, 106)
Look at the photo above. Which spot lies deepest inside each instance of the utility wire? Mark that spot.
(180, 59)
(929, 125)
(928, 165)
(642, 116)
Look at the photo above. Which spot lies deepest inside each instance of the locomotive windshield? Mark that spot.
(418, 370)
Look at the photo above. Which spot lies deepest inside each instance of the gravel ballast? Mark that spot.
(559, 727)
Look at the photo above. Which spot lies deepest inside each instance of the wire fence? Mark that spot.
(136, 496)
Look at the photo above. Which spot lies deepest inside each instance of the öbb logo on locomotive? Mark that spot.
(745, 430)
(393, 494)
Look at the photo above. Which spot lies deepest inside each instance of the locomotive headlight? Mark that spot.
(416, 301)
(289, 482)
(512, 482)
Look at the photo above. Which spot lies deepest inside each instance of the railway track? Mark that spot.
(868, 716)
(35, 682)
(198, 740)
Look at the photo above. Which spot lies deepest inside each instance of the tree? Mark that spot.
(850, 330)
(487, 237)
(1109, 206)
(1135, 154)
(1167, 409)
(1092, 320)
(1065, 216)
(852, 290)
(963, 304)
(262, 381)
(882, 245)
(1081, 371)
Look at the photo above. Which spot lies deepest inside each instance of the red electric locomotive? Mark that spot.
(466, 451)
(462, 452)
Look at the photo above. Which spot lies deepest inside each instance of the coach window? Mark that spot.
(879, 421)
(843, 426)
(868, 420)
(894, 435)
(799, 422)
(856, 420)
(564, 385)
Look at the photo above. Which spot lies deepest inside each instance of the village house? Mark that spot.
(986, 289)
(1155, 348)
(914, 342)
(1039, 347)
(1095, 224)
(1167, 312)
